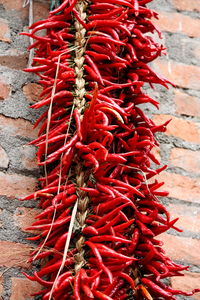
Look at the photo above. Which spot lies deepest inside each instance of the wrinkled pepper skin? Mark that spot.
(95, 144)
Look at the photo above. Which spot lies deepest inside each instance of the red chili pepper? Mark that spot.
(100, 261)
(156, 289)
(101, 295)
(106, 251)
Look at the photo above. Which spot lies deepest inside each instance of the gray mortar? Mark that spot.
(180, 49)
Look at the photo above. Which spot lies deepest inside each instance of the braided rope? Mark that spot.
(80, 105)
(79, 57)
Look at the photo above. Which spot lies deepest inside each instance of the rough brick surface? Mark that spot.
(4, 160)
(186, 104)
(4, 31)
(180, 128)
(24, 217)
(4, 89)
(191, 5)
(181, 187)
(17, 127)
(186, 159)
(187, 283)
(32, 91)
(23, 288)
(13, 59)
(1, 285)
(176, 22)
(185, 76)
(28, 158)
(189, 217)
(181, 248)
(40, 8)
(14, 254)
(16, 186)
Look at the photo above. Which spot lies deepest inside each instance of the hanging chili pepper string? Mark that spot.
(99, 155)
(79, 103)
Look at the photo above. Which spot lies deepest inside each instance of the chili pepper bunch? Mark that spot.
(95, 144)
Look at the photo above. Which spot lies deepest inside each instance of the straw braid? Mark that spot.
(80, 105)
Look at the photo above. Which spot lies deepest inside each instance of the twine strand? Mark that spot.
(30, 22)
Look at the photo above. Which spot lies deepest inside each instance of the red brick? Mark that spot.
(189, 217)
(4, 89)
(180, 128)
(4, 160)
(181, 187)
(1, 285)
(187, 283)
(32, 91)
(4, 31)
(22, 288)
(191, 5)
(14, 254)
(16, 186)
(176, 22)
(186, 104)
(41, 10)
(17, 127)
(186, 159)
(28, 157)
(181, 248)
(14, 59)
(25, 217)
(185, 76)
(197, 52)
(10, 4)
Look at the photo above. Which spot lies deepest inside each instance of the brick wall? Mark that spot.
(179, 146)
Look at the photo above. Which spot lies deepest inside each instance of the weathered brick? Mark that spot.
(28, 157)
(185, 76)
(14, 59)
(24, 217)
(197, 52)
(4, 89)
(4, 31)
(10, 4)
(181, 248)
(180, 128)
(4, 160)
(1, 285)
(41, 10)
(189, 216)
(19, 127)
(191, 5)
(186, 104)
(22, 289)
(32, 91)
(16, 186)
(14, 254)
(186, 159)
(178, 23)
(187, 283)
(181, 187)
